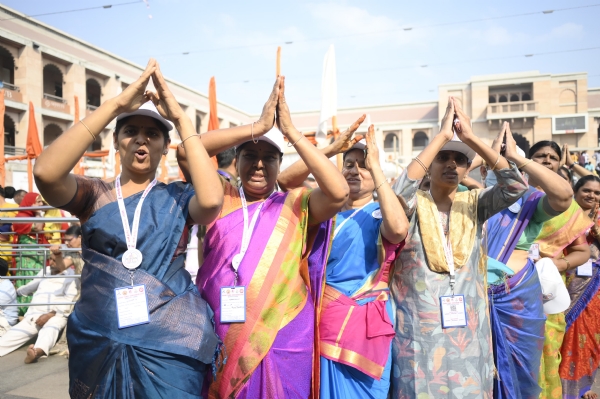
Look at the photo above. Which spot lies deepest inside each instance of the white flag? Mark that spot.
(328, 95)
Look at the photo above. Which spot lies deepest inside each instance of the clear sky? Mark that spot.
(378, 62)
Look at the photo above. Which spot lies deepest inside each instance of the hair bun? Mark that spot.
(9, 192)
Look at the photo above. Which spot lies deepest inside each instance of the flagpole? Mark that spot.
(278, 62)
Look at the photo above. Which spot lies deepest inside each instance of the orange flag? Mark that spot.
(33, 147)
(2, 160)
(76, 120)
(278, 65)
(213, 119)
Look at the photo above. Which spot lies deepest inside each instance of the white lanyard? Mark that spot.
(339, 227)
(131, 235)
(247, 233)
(448, 251)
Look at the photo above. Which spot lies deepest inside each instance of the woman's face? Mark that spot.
(588, 195)
(548, 157)
(258, 168)
(359, 179)
(39, 201)
(448, 169)
(141, 144)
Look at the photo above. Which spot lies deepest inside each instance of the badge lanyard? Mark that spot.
(132, 258)
(448, 252)
(339, 227)
(247, 234)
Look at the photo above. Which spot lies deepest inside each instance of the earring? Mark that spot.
(165, 153)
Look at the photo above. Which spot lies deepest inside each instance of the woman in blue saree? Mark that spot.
(515, 295)
(356, 320)
(166, 351)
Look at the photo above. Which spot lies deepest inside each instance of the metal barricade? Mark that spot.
(18, 250)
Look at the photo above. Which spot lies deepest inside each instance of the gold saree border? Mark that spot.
(351, 358)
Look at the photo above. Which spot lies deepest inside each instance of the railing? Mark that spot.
(10, 150)
(40, 250)
(54, 98)
(505, 108)
(9, 86)
(90, 107)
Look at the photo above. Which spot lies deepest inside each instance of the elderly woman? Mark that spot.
(580, 350)
(442, 347)
(140, 329)
(356, 356)
(264, 261)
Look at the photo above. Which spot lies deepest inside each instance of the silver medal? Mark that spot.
(132, 258)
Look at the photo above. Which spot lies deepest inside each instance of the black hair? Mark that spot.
(3, 267)
(225, 158)
(239, 149)
(568, 172)
(9, 192)
(159, 126)
(19, 192)
(74, 231)
(585, 179)
(346, 152)
(545, 143)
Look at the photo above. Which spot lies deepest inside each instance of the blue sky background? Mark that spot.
(377, 61)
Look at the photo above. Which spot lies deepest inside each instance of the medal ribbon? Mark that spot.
(131, 235)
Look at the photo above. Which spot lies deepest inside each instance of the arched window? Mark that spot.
(93, 92)
(7, 66)
(53, 81)
(51, 133)
(525, 97)
(420, 141)
(502, 99)
(568, 97)
(514, 97)
(9, 131)
(522, 142)
(391, 142)
(492, 99)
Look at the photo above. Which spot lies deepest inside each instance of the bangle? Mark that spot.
(567, 261)
(496, 163)
(252, 133)
(381, 184)
(291, 145)
(525, 164)
(422, 164)
(88, 129)
(183, 141)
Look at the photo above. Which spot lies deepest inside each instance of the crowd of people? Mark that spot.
(314, 281)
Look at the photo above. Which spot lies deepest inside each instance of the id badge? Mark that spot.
(233, 304)
(534, 252)
(454, 311)
(585, 270)
(132, 306)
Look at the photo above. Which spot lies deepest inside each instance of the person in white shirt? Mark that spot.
(9, 315)
(45, 321)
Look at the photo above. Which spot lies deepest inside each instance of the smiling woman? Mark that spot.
(112, 356)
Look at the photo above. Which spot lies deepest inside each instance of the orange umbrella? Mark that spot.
(33, 147)
(2, 160)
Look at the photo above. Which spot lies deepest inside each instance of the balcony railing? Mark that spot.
(90, 107)
(10, 151)
(4, 85)
(54, 98)
(521, 106)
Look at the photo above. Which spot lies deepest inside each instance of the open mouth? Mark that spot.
(257, 177)
(141, 154)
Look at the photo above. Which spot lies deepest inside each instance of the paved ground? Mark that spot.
(46, 379)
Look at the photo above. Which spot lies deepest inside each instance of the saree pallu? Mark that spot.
(518, 322)
(28, 263)
(356, 326)
(580, 350)
(271, 354)
(161, 359)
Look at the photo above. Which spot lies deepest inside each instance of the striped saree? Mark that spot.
(271, 354)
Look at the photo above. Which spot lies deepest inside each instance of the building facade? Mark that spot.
(50, 68)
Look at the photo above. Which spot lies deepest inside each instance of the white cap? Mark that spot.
(273, 137)
(359, 145)
(456, 145)
(555, 294)
(148, 109)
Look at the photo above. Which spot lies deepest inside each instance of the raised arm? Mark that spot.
(220, 140)
(395, 224)
(205, 205)
(575, 167)
(297, 172)
(333, 190)
(558, 191)
(52, 168)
